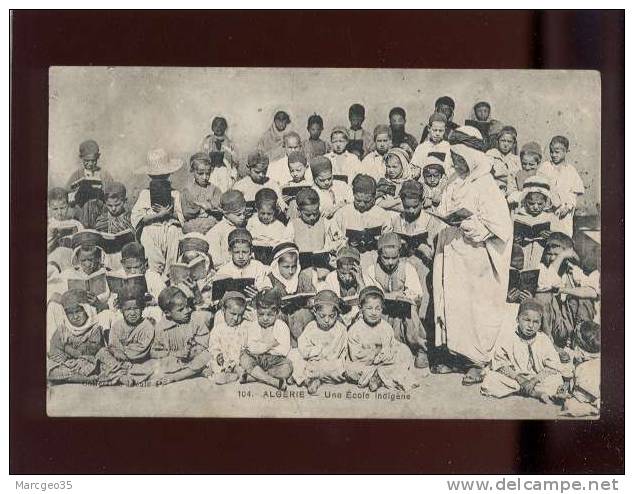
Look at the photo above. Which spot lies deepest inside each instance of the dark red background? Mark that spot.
(592, 40)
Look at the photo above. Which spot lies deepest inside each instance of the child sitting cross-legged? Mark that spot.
(77, 348)
(181, 338)
(377, 359)
(228, 338)
(264, 358)
(321, 349)
(131, 337)
(525, 361)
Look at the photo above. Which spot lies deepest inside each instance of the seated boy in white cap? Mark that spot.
(228, 339)
(525, 361)
(377, 358)
(344, 163)
(234, 213)
(264, 358)
(242, 265)
(322, 347)
(160, 223)
(398, 279)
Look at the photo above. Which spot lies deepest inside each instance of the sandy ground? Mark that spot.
(439, 397)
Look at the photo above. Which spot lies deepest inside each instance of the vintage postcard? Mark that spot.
(323, 243)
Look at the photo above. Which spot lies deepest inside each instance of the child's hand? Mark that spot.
(545, 234)
(514, 295)
(358, 277)
(329, 212)
(162, 211)
(92, 298)
(250, 291)
(220, 360)
(524, 295)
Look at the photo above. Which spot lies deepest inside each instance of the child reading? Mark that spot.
(525, 361)
(181, 339)
(363, 215)
(376, 358)
(321, 351)
(566, 184)
(266, 229)
(505, 161)
(77, 345)
(131, 337)
(89, 157)
(346, 281)
(360, 141)
(160, 224)
(257, 179)
(435, 144)
(315, 146)
(530, 159)
(344, 163)
(333, 194)
(313, 232)
(568, 295)
(233, 208)
(227, 339)
(301, 177)
(397, 118)
(534, 210)
(115, 218)
(398, 279)
(61, 226)
(373, 163)
(434, 183)
(225, 162)
(242, 265)
(201, 197)
(264, 358)
(271, 143)
(397, 171)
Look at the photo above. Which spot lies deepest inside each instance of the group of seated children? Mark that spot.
(311, 263)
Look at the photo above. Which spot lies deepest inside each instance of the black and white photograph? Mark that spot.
(323, 243)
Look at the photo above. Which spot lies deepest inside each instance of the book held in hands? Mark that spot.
(95, 283)
(364, 240)
(523, 281)
(453, 218)
(117, 282)
(223, 285)
(192, 271)
(525, 233)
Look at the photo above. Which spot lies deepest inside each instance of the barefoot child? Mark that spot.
(525, 361)
(201, 197)
(398, 279)
(227, 339)
(321, 349)
(376, 358)
(181, 339)
(264, 358)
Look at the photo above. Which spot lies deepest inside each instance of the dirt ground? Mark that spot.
(438, 397)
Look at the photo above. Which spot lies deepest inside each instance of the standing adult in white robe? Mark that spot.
(472, 260)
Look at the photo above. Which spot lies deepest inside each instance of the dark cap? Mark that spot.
(74, 297)
(240, 235)
(268, 298)
(445, 100)
(89, 149)
(364, 184)
(232, 201)
(133, 250)
(257, 158)
(297, 157)
(86, 238)
(282, 115)
(411, 189)
(357, 109)
(369, 291)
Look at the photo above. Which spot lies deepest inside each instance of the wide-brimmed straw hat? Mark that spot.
(159, 163)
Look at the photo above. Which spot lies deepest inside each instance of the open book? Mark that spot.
(95, 283)
(114, 242)
(385, 188)
(121, 281)
(483, 127)
(364, 240)
(193, 271)
(295, 301)
(223, 285)
(217, 158)
(523, 281)
(84, 190)
(62, 235)
(525, 233)
(453, 218)
(160, 194)
(355, 145)
(412, 242)
(397, 306)
(342, 178)
(290, 191)
(315, 260)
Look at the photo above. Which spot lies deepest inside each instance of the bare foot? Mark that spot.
(313, 386)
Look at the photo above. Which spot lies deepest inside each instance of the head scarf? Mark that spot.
(72, 299)
(467, 142)
(370, 291)
(407, 173)
(326, 297)
(288, 247)
(537, 183)
(472, 113)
